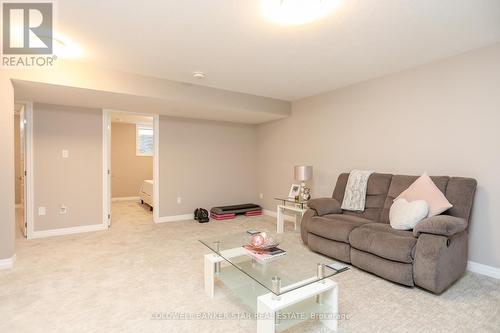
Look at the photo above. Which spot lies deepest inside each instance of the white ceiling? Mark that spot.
(240, 51)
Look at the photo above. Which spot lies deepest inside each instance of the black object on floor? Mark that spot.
(201, 215)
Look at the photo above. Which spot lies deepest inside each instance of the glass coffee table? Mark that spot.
(284, 291)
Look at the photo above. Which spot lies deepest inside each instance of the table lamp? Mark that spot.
(303, 173)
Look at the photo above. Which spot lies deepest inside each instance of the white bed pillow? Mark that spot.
(405, 215)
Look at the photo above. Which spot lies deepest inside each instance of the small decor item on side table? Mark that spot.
(303, 173)
(306, 194)
(294, 191)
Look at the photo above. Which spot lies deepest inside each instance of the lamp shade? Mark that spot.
(303, 173)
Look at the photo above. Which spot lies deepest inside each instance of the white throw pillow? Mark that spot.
(405, 215)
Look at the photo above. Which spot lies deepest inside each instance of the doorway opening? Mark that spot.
(130, 160)
(23, 170)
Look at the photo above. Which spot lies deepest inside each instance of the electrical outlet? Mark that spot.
(261, 195)
(42, 211)
(179, 200)
(65, 153)
(63, 210)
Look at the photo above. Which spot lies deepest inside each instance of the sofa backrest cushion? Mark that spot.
(460, 193)
(400, 183)
(376, 194)
(384, 188)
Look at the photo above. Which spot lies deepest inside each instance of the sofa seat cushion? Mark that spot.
(330, 248)
(391, 270)
(335, 226)
(381, 240)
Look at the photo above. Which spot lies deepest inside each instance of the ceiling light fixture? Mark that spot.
(199, 75)
(296, 12)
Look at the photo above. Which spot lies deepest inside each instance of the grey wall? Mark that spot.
(443, 118)
(75, 182)
(206, 163)
(7, 192)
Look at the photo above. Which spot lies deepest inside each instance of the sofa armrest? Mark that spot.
(324, 206)
(444, 225)
(308, 215)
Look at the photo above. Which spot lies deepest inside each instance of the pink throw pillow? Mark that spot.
(424, 189)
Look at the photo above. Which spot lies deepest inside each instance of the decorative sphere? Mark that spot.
(257, 240)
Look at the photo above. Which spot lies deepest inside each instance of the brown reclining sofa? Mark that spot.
(431, 256)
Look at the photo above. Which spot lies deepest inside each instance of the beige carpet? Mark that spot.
(116, 280)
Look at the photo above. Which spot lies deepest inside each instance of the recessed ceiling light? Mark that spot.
(296, 12)
(199, 75)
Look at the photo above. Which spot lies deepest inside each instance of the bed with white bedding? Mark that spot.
(146, 193)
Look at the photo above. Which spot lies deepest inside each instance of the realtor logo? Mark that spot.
(27, 28)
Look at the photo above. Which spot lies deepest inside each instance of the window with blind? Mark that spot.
(144, 140)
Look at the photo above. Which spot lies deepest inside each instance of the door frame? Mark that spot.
(21, 124)
(29, 187)
(106, 150)
(106, 175)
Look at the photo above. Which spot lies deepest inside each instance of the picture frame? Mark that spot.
(294, 191)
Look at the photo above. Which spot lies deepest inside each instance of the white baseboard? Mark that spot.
(274, 214)
(174, 218)
(68, 231)
(125, 199)
(490, 271)
(7, 263)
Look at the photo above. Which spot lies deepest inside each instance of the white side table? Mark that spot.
(298, 209)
